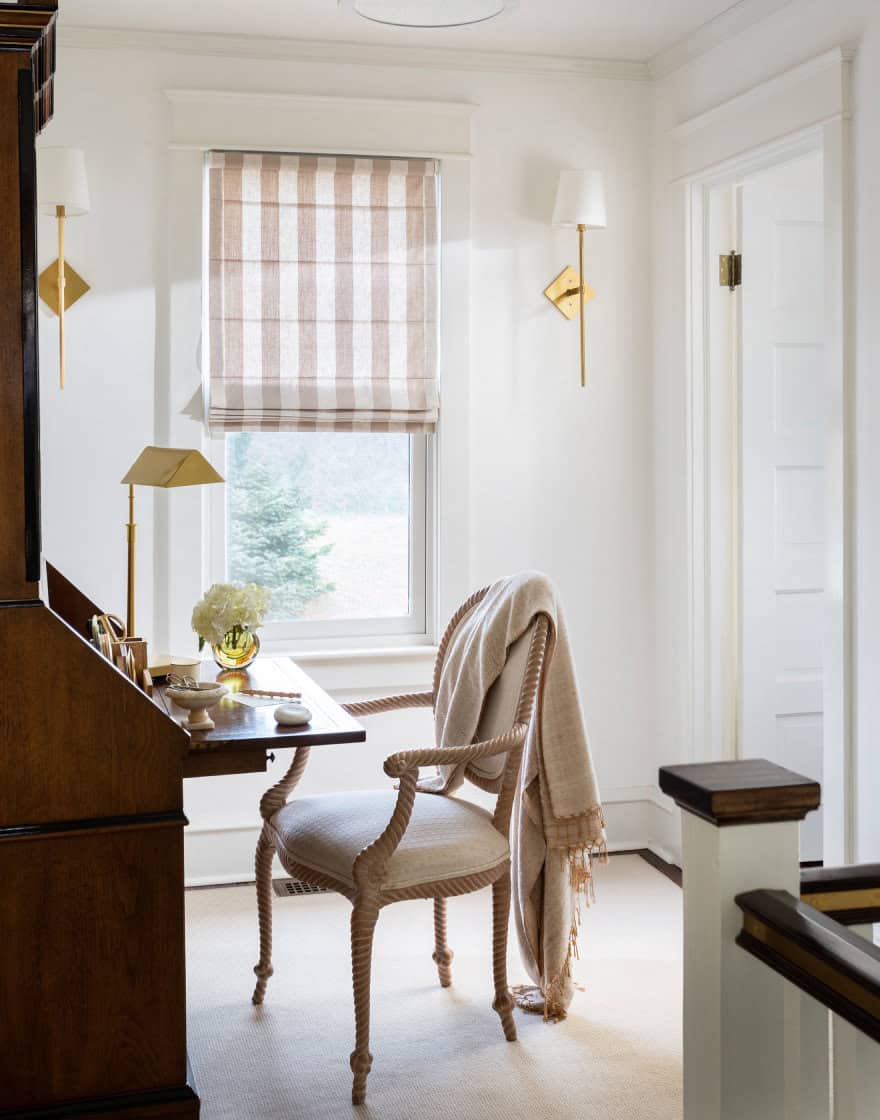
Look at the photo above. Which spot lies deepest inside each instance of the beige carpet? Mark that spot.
(438, 1055)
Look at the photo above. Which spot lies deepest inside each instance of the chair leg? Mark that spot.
(442, 953)
(363, 923)
(503, 1003)
(263, 862)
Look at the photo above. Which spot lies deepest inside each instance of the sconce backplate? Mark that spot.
(74, 286)
(563, 292)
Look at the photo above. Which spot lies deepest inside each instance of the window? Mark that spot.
(321, 302)
(335, 524)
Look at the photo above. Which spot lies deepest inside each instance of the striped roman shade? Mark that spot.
(322, 293)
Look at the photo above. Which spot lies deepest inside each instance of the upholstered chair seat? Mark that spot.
(446, 837)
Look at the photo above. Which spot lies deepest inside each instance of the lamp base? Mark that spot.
(563, 292)
(74, 286)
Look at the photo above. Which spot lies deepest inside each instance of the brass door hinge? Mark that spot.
(730, 271)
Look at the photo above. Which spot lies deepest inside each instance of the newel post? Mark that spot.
(742, 1022)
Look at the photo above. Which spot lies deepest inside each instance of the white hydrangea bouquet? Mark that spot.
(227, 616)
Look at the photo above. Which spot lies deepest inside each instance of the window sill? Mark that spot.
(397, 668)
(385, 653)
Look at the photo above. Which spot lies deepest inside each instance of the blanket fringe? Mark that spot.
(580, 858)
(551, 1002)
(532, 1000)
(580, 867)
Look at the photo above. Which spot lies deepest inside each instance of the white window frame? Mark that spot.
(414, 628)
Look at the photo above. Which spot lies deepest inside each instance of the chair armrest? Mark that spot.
(369, 867)
(390, 703)
(398, 764)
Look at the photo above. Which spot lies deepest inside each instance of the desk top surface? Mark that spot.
(239, 726)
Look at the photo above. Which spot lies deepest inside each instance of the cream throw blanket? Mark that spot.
(557, 823)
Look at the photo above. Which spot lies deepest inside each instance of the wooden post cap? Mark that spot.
(750, 791)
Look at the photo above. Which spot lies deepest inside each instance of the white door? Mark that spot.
(783, 435)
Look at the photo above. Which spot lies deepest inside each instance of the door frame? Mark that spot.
(713, 469)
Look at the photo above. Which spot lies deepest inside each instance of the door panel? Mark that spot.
(783, 432)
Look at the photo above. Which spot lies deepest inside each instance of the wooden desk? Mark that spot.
(243, 735)
(91, 838)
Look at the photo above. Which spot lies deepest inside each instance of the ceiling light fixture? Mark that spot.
(429, 13)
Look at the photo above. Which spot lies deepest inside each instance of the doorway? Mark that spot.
(769, 453)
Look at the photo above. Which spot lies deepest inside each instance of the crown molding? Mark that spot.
(351, 54)
(728, 24)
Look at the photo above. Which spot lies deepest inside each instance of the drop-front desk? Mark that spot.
(92, 969)
(245, 738)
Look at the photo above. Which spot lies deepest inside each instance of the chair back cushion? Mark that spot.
(499, 710)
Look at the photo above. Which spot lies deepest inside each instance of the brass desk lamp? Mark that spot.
(165, 467)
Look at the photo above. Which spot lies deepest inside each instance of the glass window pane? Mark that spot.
(323, 520)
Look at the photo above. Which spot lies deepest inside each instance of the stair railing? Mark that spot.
(781, 978)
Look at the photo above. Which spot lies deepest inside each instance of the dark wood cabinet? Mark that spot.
(92, 986)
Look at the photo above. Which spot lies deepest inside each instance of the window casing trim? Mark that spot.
(182, 543)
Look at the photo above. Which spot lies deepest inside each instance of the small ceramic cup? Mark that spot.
(186, 666)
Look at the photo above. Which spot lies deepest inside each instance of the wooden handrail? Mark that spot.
(849, 895)
(817, 954)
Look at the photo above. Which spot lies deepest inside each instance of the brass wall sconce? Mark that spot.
(165, 467)
(62, 191)
(580, 205)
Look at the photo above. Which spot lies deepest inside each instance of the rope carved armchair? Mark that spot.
(380, 847)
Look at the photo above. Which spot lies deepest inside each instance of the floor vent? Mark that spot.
(284, 888)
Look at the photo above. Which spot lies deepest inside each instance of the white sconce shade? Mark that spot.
(429, 13)
(580, 200)
(61, 181)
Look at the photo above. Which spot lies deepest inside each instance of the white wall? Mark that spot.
(798, 32)
(558, 478)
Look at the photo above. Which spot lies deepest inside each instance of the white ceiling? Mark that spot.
(634, 30)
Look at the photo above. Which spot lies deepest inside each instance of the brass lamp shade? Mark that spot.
(170, 466)
(164, 467)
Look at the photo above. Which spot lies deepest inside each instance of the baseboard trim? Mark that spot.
(179, 1103)
(671, 870)
(639, 818)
